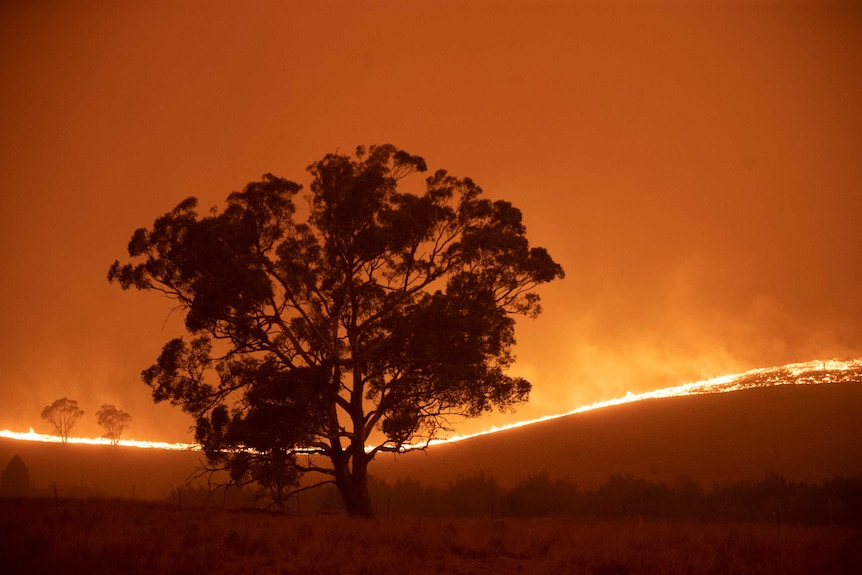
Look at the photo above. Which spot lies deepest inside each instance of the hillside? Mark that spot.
(805, 432)
(101, 470)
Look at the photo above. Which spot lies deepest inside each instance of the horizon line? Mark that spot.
(720, 384)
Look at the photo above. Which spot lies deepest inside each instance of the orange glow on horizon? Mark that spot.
(807, 373)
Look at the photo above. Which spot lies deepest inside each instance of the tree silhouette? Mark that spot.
(63, 414)
(15, 480)
(362, 327)
(114, 421)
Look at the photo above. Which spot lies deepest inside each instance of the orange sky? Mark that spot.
(696, 170)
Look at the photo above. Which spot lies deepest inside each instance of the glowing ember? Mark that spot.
(809, 373)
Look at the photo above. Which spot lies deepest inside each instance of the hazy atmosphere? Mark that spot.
(695, 170)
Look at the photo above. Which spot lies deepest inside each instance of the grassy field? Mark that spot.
(110, 536)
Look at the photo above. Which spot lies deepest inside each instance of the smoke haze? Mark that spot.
(695, 169)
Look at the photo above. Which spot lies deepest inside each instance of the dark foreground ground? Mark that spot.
(107, 536)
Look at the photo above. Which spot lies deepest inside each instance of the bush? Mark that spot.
(15, 481)
(772, 499)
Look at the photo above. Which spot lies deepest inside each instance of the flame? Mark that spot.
(46, 438)
(808, 373)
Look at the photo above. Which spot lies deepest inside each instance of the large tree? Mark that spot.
(114, 421)
(363, 326)
(63, 414)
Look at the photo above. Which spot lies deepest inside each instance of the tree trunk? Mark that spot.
(353, 487)
(353, 483)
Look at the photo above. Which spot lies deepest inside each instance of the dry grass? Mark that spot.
(39, 536)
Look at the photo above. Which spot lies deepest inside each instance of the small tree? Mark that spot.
(63, 414)
(362, 327)
(15, 481)
(114, 421)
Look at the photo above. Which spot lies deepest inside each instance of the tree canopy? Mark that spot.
(359, 321)
(63, 414)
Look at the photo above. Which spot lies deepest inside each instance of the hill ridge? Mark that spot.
(815, 372)
(803, 432)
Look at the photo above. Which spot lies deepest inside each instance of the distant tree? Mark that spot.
(15, 480)
(113, 421)
(63, 414)
(360, 328)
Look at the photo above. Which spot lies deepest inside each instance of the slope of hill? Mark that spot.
(101, 470)
(804, 432)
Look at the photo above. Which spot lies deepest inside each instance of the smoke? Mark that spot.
(702, 318)
(695, 172)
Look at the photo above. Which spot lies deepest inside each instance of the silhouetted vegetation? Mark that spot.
(837, 501)
(114, 421)
(15, 481)
(381, 310)
(200, 495)
(63, 414)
